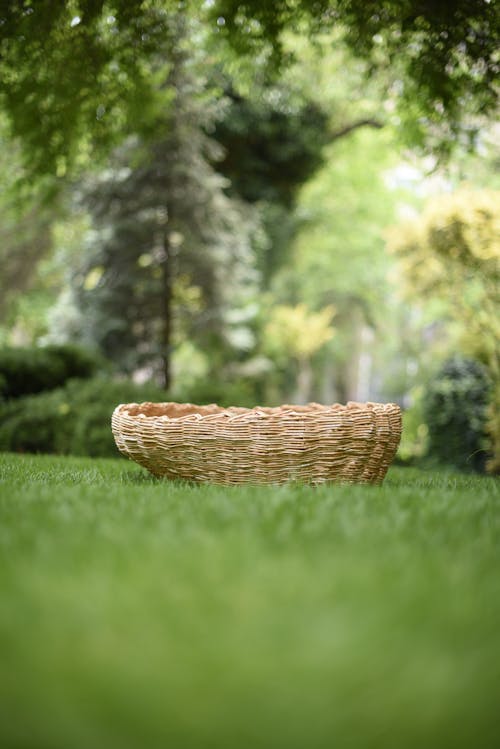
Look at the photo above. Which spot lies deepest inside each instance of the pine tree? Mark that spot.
(169, 251)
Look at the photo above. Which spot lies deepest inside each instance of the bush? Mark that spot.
(26, 371)
(238, 393)
(455, 409)
(74, 419)
(414, 437)
(493, 429)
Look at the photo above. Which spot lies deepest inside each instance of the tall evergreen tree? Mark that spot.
(169, 250)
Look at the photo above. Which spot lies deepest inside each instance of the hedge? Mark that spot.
(74, 419)
(26, 371)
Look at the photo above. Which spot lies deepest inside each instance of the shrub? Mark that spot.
(493, 429)
(93, 403)
(414, 437)
(74, 419)
(36, 423)
(455, 409)
(26, 371)
(238, 393)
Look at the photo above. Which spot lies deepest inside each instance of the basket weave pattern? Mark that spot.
(313, 443)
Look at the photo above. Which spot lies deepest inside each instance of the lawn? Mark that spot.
(138, 613)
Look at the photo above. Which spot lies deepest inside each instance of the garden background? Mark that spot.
(249, 203)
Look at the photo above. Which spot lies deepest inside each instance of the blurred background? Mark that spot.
(250, 203)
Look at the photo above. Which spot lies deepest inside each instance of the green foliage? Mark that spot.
(294, 336)
(25, 243)
(298, 332)
(272, 144)
(452, 252)
(74, 419)
(25, 239)
(444, 56)
(457, 234)
(201, 202)
(167, 255)
(338, 256)
(169, 252)
(220, 390)
(65, 110)
(273, 138)
(36, 423)
(455, 410)
(338, 251)
(493, 431)
(25, 371)
(414, 437)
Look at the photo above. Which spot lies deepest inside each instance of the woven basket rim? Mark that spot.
(261, 445)
(173, 411)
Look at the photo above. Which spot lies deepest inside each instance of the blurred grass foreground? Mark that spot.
(136, 612)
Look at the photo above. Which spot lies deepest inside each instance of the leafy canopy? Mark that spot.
(446, 51)
(77, 75)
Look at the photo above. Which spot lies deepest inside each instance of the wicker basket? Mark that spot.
(313, 443)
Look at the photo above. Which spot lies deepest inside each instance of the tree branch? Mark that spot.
(366, 122)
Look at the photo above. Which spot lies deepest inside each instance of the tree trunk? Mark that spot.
(304, 382)
(174, 81)
(166, 302)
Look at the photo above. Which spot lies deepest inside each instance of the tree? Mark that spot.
(166, 241)
(77, 77)
(272, 139)
(25, 241)
(338, 257)
(275, 137)
(296, 334)
(453, 251)
(443, 56)
(168, 252)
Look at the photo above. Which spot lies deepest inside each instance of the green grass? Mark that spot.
(139, 613)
